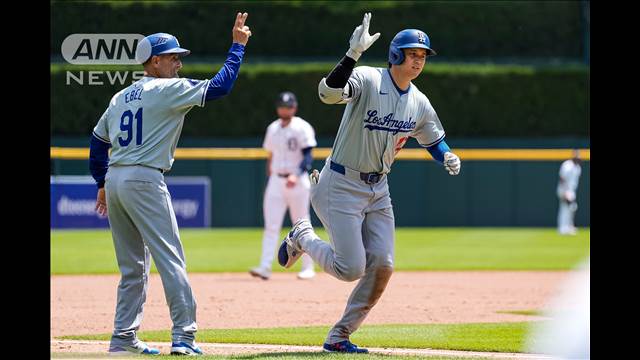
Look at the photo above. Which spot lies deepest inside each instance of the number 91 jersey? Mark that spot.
(143, 121)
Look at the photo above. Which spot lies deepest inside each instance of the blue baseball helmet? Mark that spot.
(408, 38)
(158, 44)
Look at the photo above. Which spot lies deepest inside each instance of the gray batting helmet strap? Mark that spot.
(405, 39)
(287, 99)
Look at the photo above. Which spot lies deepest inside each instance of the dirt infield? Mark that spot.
(86, 304)
(98, 347)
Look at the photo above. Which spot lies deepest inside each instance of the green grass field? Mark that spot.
(236, 250)
(498, 337)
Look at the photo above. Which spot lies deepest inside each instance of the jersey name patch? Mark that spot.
(388, 123)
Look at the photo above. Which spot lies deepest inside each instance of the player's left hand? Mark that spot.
(452, 163)
(101, 203)
(292, 180)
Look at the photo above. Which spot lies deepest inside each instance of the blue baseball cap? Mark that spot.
(158, 44)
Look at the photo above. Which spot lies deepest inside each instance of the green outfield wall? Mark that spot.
(486, 193)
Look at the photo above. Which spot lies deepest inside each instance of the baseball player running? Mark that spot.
(142, 125)
(289, 140)
(351, 196)
(569, 176)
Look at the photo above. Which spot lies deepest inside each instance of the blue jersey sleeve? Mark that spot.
(221, 84)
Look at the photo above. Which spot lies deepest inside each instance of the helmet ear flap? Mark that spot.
(396, 56)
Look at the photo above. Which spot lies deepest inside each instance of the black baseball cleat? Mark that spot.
(345, 346)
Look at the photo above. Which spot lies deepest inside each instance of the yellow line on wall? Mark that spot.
(322, 153)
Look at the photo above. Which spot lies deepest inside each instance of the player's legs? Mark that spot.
(378, 237)
(564, 214)
(274, 207)
(134, 264)
(298, 202)
(149, 204)
(339, 203)
(573, 207)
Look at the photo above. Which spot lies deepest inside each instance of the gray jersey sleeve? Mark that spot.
(182, 92)
(101, 130)
(429, 130)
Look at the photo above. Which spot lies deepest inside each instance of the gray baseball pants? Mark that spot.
(143, 225)
(359, 220)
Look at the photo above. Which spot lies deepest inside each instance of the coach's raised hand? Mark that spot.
(241, 32)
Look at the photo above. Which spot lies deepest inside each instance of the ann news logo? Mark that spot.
(101, 49)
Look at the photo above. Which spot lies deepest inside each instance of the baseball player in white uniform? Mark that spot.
(570, 171)
(351, 194)
(288, 141)
(142, 125)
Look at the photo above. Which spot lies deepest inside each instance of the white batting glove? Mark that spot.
(314, 176)
(452, 163)
(360, 39)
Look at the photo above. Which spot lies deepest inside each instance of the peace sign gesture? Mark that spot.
(240, 31)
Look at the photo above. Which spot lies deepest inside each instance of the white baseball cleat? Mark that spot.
(182, 348)
(139, 348)
(568, 231)
(306, 274)
(260, 272)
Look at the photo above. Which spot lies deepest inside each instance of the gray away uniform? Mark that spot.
(143, 123)
(358, 215)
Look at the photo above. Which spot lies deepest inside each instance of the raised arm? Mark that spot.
(334, 89)
(221, 84)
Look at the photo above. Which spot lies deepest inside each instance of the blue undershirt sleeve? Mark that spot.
(437, 151)
(305, 165)
(98, 159)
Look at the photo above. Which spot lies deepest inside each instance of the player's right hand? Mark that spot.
(241, 32)
(360, 39)
(101, 203)
(292, 180)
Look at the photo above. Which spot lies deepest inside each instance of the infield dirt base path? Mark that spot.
(85, 304)
(98, 347)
